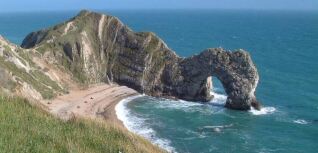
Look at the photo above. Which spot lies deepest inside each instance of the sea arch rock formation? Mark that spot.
(99, 48)
(235, 70)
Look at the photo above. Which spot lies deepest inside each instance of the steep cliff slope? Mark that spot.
(23, 72)
(100, 48)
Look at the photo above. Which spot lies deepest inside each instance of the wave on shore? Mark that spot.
(138, 126)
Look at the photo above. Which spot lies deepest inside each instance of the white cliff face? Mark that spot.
(91, 67)
(68, 27)
(100, 27)
(100, 34)
(12, 55)
(209, 83)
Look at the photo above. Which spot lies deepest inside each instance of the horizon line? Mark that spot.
(161, 9)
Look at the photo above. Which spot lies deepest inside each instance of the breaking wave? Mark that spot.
(263, 111)
(219, 99)
(138, 125)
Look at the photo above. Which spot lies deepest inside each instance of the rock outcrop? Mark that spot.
(24, 72)
(100, 48)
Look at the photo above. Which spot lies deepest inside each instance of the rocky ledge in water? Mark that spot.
(100, 48)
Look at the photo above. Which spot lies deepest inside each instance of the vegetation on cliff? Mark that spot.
(26, 128)
(99, 48)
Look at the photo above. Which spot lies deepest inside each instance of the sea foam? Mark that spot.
(263, 111)
(175, 104)
(218, 99)
(138, 125)
(300, 121)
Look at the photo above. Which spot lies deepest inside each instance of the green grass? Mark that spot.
(46, 80)
(25, 128)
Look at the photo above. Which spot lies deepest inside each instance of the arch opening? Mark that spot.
(217, 91)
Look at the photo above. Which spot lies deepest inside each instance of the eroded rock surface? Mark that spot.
(25, 73)
(100, 48)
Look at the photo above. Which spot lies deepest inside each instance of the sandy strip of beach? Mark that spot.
(95, 102)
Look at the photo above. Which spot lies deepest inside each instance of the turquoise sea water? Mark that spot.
(284, 46)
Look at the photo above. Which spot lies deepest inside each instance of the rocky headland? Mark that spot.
(95, 48)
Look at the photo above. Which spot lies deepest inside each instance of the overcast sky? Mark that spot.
(51, 5)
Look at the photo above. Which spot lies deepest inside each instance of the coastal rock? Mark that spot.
(100, 48)
(235, 70)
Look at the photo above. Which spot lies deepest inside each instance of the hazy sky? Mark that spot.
(36, 5)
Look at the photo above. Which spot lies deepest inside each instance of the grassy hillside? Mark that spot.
(25, 128)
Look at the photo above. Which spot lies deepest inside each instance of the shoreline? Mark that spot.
(99, 102)
(110, 113)
(96, 102)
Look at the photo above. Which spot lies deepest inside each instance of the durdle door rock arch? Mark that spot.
(235, 70)
(100, 48)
